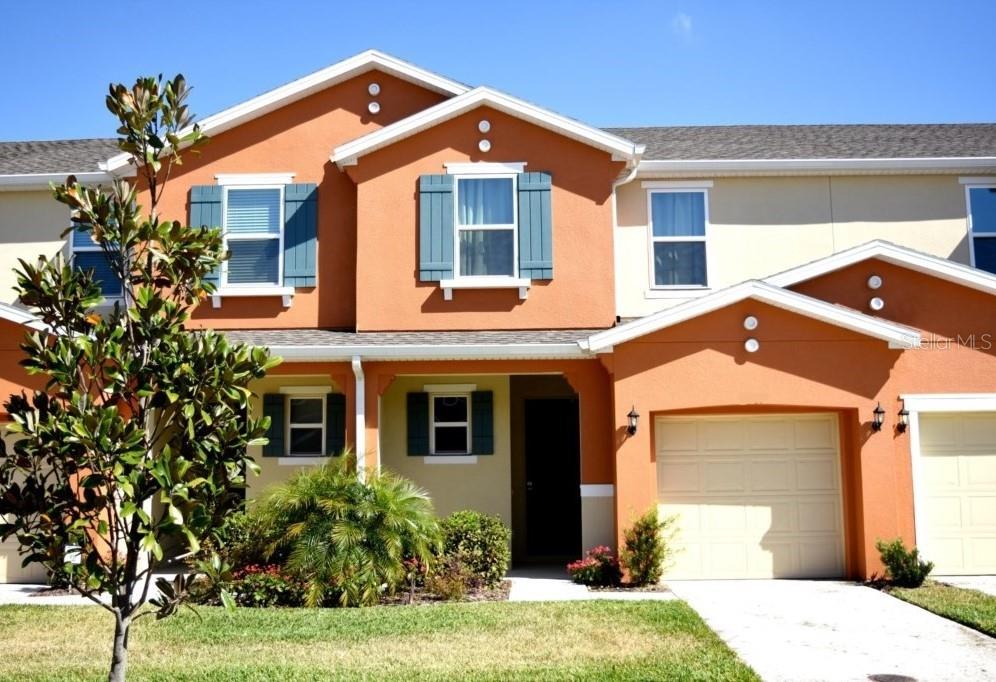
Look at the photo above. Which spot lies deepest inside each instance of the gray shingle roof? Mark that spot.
(326, 337)
(55, 156)
(814, 141)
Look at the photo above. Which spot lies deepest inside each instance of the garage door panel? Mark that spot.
(723, 476)
(956, 495)
(766, 510)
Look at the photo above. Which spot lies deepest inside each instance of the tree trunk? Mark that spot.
(119, 656)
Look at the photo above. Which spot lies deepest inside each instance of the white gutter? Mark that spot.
(815, 165)
(22, 181)
(519, 351)
(360, 401)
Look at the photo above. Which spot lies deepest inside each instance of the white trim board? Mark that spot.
(339, 72)
(348, 154)
(21, 316)
(896, 255)
(802, 166)
(29, 181)
(898, 336)
(598, 490)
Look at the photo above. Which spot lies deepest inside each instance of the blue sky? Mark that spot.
(607, 63)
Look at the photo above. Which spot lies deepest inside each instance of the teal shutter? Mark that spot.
(482, 423)
(205, 210)
(418, 424)
(335, 424)
(535, 226)
(273, 407)
(435, 227)
(300, 234)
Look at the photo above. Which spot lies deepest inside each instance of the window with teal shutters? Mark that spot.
(205, 211)
(535, 226)
(88, 255)
(335, 424)
(273, 407)
(482, 429)
(300, 234)
(435, 228)
(417, 418)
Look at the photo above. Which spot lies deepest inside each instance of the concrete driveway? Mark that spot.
(982, 583)
(818, 630)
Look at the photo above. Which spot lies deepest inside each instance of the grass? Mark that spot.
(969, 607)
(596, 640)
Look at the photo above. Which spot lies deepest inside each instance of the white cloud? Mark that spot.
(681, 24)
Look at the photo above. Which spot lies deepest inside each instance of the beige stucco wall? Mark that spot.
(598, 520)
(761, 226)
(272, 471)
(30, 224)
(484, 485)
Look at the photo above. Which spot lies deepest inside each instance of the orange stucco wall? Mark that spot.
(701, 366)
(13, 378)
(298, 138)
(390, 297)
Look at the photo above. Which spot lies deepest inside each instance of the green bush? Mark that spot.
(599, 568)
(903, 567)
(480, 542)
(647, 548)
(449, 579)
(266, 586)
(348, 539)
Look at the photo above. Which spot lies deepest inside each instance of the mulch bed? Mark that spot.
(499, 593)
(55, 592)
(630, 588)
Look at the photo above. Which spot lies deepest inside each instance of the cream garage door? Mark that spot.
(957, 492)
(755, 496)
(10, 566)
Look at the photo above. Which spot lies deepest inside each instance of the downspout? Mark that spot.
(629, 177)
(360, 401)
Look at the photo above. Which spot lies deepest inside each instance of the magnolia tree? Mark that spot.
(138, 439)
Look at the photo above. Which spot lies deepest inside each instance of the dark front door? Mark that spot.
(553, 479)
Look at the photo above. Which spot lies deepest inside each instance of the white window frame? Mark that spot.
(91, 247)
(654, 188)
(432, 423)
(253, 237)
(304, 425)
(972, 235)
(513, 226)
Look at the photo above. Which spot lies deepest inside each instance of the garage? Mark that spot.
(10, 566)
(756, 496)
(956, 492)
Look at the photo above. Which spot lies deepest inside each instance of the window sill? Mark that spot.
(450, 459)
(300, 461)
(287, 293)
(520, 283)
(676, 292)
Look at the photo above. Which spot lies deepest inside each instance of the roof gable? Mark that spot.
(621, 149)
(897, 335)
(901, 256)
(310, 84)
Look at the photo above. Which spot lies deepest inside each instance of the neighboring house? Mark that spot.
(481, 294)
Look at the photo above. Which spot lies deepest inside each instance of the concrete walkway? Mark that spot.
(804, 630)
(982, 583)
(545, 584)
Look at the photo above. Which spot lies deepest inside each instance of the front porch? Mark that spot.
(527, 440)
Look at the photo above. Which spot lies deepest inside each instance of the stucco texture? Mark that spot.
(761, 226)
(700, 366)
(30, 225)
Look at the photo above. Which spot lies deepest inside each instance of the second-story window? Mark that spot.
(982, 222)
(678, 237)
(485, 226)
(253, 218)
(88, 255)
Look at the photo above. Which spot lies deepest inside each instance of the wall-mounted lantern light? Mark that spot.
(878, 417)
(634, 421)
(904, 420)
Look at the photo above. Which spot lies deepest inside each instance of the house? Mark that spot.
(781, 334)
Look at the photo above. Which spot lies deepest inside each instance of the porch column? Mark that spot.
(359, 402)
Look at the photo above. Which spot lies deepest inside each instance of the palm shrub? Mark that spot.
(904, 567)
(647, 548)
(349, 539)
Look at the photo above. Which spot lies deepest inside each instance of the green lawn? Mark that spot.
(968, 607)
(597, 640)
